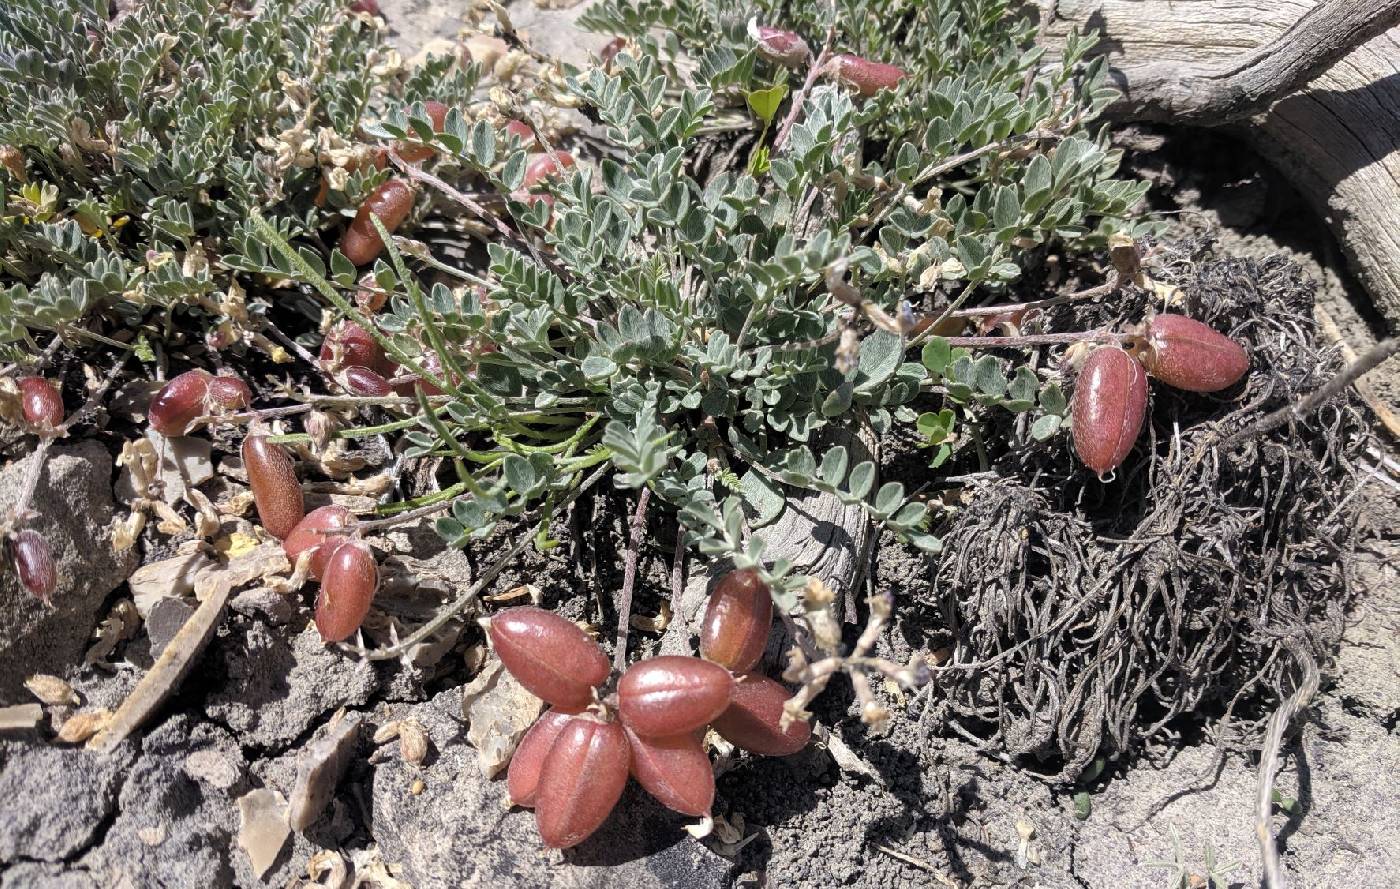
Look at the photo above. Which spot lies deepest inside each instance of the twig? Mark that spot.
(678, 569)
(801, 95)
(1040, 339)
(983, 311)
(629, 577)
(1368, 394)
(1269, 757)
(462, 601)
(1174, 92)
(1378, 353)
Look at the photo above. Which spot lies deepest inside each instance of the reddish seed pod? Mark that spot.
(553, 658)
(276, 491)
(391, 202)
(349, 344)
(1110, 400)
(779, 46)
(522, 131)
(228, 393)
(40, 403)
(671, 695)
(1186, 354)
(523, 776)
(178, 402)
(346, 591)
(674, 770)
(864, 76)
(610, 51)
(369, 6)
(581, 780)
(545, 165)
(311, 533)
(754, 716)
(413, 152)
(737, 621)
(431, 363)
(34, 563)
(363, 381)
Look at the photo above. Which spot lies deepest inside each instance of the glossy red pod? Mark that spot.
(675, 770)
(754, 717)
(228, 392)
(1110, 401)
(40, 403)
(546, 165)
(276, 491)
(1186, 354)
(34, 563)
(521, 130)
(310, 534)
(350, 344)
(347, 589)
(779, 46)
(864, 76)
(671, 695)
(581, 780)
(363, 381)
(413, 152)
(178, 402)
(523, 776)
(737, 621)
(391, 202)
(553, 658)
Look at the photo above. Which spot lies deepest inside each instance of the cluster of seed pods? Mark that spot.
(342, 563)
(1110, 397)
(572, 765)
(863, 76)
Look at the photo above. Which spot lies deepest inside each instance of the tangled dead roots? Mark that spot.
(1085, 617)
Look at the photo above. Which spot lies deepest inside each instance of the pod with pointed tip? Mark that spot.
(674, 770)
(523, 776)
(754, 718)
(413, 152)
(778, 46)
(864, 76)
(581, 780)
(347, 589)
(276, 492)
(737, 621)
(391, 202)
(553, 658)
(40, 403)
(1110, 401)
(1186, 354)
(671, 695)
(228, 392)
(178, 402)
(311, 534)
(34, 563)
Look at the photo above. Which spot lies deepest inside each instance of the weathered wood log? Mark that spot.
(1239, 64)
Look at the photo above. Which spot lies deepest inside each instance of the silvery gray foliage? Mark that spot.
(700, 306)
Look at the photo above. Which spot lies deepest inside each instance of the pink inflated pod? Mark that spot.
(1110, 401)
(863, 75)
(778, 46)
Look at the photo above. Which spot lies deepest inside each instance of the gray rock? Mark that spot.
(74, 502)
(165, 620)
(56, 799)
(45, 876)
(461, 831)
(277, 683)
